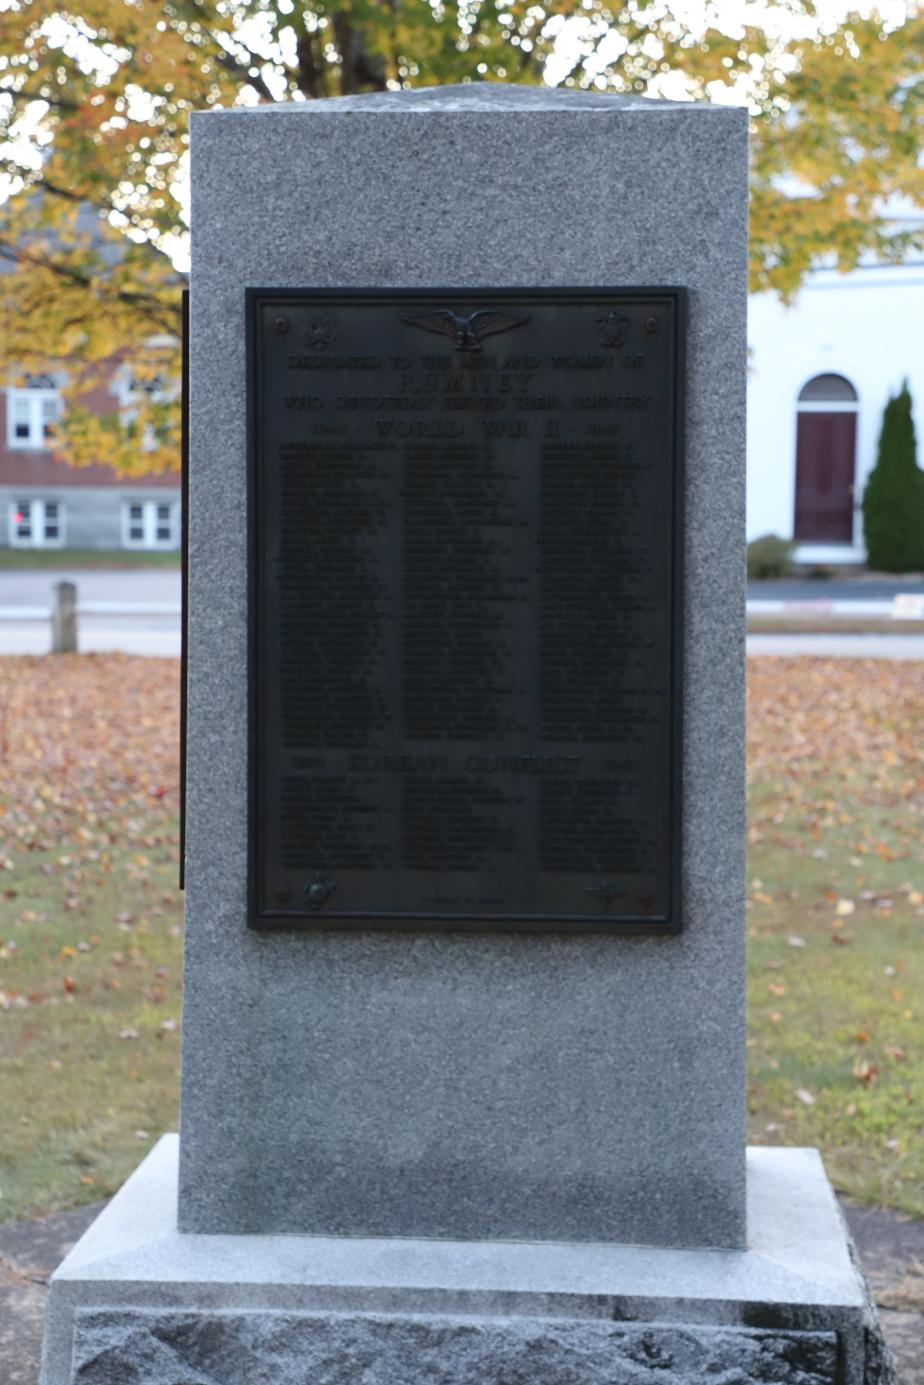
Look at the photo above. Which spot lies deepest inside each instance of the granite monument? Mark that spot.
(463, 1070)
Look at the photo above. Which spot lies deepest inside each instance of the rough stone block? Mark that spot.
(163, 1348)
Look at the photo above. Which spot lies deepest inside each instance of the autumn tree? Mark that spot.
(94, 103)
(893, 500)
(836, 151)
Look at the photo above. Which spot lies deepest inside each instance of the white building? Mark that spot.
(821, 373)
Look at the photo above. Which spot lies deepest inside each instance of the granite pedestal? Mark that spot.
(139, 1303)
(466, 1158)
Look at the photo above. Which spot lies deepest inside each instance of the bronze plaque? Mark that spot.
(465, 608)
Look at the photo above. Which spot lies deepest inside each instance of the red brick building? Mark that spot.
(44, 503)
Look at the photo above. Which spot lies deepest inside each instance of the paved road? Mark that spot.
(163, 584)
(840, 646)
(123, 584)
(841, 589)
(157, 635)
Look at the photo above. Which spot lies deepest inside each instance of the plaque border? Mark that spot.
(389, 921)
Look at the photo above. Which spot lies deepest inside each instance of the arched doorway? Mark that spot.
(826, 446)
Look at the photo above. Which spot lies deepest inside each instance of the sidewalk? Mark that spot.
(826, 646)
(891, 1248)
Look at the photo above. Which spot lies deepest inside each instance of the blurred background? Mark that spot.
(94, 208)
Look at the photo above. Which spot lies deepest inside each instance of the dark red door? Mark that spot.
(825, 452)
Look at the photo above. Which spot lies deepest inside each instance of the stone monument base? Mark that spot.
(138, 1303)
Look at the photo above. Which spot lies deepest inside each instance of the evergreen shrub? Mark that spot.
(893, 500)
(769, 556)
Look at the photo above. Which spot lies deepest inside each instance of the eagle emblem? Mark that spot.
(467, 332)
(613, 328)
(605, 895)
(320, 335)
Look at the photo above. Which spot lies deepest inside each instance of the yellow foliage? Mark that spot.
(94, 104)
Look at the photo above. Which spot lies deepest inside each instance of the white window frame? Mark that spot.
(129, 393)
(39, 519)
(149, 524)
(34, 398)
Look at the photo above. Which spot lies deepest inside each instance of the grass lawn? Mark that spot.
(793, 623)
(836, 918)
(90, 921)
(63, 558)
(90, 944)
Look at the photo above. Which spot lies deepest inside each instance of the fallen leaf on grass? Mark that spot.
(109, 761)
